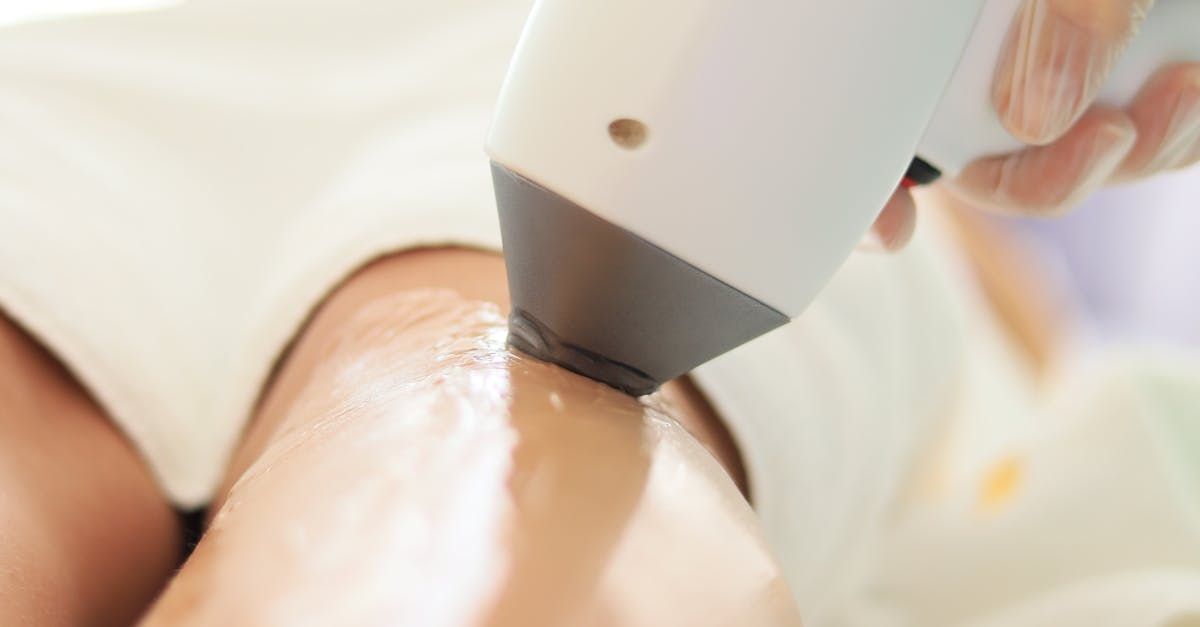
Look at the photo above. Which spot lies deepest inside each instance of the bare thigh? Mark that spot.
(85, 536)
(406, 469)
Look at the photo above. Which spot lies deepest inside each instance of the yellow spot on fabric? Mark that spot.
(1001, 484)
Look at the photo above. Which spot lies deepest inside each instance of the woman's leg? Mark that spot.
(406, 469)
(85, 536)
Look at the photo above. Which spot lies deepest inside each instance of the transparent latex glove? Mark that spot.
(1058, 56)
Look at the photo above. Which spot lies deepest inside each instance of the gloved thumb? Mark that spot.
(1058, 55)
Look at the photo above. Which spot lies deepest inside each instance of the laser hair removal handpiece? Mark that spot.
(677, 177)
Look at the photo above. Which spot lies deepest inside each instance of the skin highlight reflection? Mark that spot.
(407, 468)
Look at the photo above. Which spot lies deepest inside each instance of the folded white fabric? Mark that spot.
(180, 187)
(1091, 519)
(17, 11)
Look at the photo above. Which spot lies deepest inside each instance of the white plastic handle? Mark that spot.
(773, 130)
(965, 126)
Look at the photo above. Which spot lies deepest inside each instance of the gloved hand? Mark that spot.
(1058, 56)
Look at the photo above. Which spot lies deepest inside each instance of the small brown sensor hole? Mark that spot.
(628, 134)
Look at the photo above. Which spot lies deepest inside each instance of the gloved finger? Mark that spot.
(1167, 115)
(1058, 55)
(1047, 179)
(895, 225)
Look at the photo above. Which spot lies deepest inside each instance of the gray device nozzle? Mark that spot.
(529, 335)
(598, 300)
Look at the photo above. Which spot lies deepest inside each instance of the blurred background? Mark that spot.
(1127, 260)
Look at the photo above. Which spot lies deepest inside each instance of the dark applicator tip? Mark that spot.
(529, 336)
